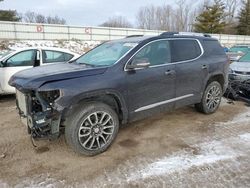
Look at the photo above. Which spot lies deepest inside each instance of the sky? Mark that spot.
(83, 12)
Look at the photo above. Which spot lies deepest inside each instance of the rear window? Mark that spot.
(185, 49)
(213, 47)
(50, 56)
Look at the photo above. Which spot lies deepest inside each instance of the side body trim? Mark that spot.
(162, 102)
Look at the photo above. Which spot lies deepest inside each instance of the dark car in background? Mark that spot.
(118, 82)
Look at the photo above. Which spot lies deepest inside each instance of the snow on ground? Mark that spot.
(139, 169)
(210, 152)
(74, 45)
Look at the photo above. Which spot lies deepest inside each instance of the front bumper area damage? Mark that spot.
(37, 112)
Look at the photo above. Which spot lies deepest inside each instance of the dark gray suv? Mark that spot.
(118, 82)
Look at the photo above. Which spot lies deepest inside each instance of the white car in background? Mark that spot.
(14, 61)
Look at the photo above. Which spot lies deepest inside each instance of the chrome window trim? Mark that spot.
(147, 107)
(165, 64)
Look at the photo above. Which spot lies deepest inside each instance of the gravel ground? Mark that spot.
(178, 149)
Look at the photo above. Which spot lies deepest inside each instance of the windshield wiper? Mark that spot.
(87, 64)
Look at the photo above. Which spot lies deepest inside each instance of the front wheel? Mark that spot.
(92, 128)
(211, 98)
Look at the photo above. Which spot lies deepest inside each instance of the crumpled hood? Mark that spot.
(33, 78)
(240, 66)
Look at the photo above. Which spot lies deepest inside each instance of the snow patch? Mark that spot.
(43, 181)
(208, 153)
(240, 118)
(76, 46)
(245, 137)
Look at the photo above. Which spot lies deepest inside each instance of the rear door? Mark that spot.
(151, 89)
(191, 70)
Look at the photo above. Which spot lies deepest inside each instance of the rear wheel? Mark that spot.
(92, 128)
(211, 98)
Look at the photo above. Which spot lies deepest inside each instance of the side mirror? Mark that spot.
(138, 64)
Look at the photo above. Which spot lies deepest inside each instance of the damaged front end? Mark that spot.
(238, 89)
(37, 111)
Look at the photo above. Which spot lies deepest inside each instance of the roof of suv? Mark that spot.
(140, 38)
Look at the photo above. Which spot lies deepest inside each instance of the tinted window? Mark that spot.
(67, 56)
(156, 53)
(183, 50)
(213, 47)
(55, 56)
(25, 58)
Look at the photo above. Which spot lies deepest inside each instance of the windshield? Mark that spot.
(245, 58)
(243, 49)
(106, 54)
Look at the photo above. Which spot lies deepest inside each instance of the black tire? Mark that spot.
(82, 118)
(205, 105)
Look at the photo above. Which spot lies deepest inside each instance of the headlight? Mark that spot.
(50, 96)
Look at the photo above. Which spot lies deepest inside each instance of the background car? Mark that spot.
(240, 70)
(240, 48)
(237, 51)
(14, 61)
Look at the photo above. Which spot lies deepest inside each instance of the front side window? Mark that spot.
(50, 56)
(185, 49)
(156, 53)
(106, 54)
(25, 58)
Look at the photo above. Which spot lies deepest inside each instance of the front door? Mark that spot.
(151, 89)
(18, 62)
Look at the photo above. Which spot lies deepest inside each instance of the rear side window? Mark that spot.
(50, 56)
(213, 47)
(185, 49)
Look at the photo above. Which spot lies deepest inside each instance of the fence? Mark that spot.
(27, 31)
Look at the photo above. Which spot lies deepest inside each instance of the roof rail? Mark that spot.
(130, 36)
(185, 33)
(169, 33)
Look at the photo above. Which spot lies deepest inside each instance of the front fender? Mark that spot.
(77, 100)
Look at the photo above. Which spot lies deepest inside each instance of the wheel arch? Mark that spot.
(112, 98)
(219, 77)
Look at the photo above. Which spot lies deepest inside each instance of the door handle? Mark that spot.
(204, 67)
(170, 73)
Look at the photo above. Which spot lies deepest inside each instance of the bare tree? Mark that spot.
(146, 17)
(181, 16)
(40, 18)
(231, 8)
(55, 20)
(117, 21)
(153, 17)
(32, 17)
(165, 17)
(29, 17)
